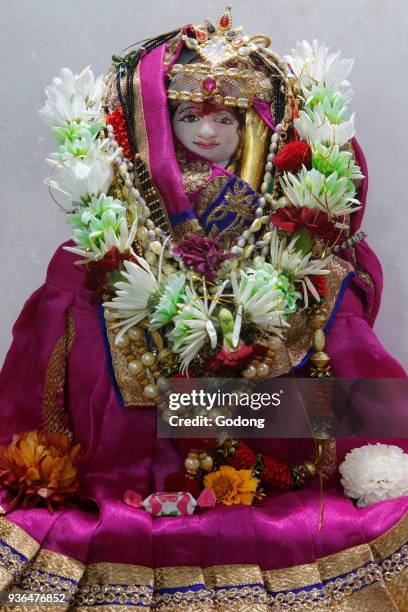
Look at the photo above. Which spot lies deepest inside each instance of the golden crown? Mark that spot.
(225, 73)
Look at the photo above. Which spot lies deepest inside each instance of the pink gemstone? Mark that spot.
(209, 85)
(207, 499)
(237, 42)
(132, 498)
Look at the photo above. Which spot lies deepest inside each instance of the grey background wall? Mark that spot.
(38, 38)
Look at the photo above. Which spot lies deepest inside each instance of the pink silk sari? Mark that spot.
(105, 553)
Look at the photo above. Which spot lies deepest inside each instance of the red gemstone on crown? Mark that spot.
(201, 36)
(224, 21)
(209, 85)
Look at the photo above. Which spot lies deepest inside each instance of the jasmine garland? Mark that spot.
(202, 300)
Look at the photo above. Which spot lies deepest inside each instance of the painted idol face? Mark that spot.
(210, 130)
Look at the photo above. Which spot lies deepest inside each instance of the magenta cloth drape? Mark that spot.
(122, 452)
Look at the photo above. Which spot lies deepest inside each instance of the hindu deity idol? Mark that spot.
(217, 195)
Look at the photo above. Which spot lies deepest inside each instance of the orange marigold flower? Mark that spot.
(232, 486)
(39, 467)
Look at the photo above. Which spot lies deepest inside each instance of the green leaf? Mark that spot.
(304, 241)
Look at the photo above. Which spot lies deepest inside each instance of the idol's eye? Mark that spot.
(190, 118)
(224, 119)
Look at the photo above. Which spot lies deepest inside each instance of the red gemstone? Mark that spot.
(224, 21)
(209, 85)
(201, 36)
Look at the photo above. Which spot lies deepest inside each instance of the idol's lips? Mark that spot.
(204, 145)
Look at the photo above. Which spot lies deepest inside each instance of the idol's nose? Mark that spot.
(206, 130)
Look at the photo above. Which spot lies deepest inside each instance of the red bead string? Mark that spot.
(118, 122)
(274, 472)
(243, 457)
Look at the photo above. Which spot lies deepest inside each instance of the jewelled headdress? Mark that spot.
(223, 70)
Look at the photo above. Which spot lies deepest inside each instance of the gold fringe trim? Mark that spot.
(53, 413)
(372, 576)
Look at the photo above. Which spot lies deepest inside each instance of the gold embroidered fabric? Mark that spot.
(299, 338)
(53, 413)
(194, 172)
(171, 49)
(130, 389)
(191, 226)
(236, 200)
(367, 577)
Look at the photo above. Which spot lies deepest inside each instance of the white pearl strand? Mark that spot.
(349, 242)
(246, 243)
(150, 237)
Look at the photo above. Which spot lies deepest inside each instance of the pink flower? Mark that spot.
(204, 255)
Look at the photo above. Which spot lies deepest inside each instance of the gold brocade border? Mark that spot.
(130, 389)
(372, 576)
(143, 148)
(53, 412)
(194, 172)
(299, 338)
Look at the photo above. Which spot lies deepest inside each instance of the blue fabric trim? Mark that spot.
(209, 220)
(108, 357)
(22, 557)
(183, 589)
(256, 592)
(180, 217)
(330, 321)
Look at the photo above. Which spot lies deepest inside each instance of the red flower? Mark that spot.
(320, 283)
(293, 156)
(235, 360)
(117, 120)
(96, 277)
(296, 218)
(204, 255)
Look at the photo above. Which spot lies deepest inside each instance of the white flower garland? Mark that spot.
(258, 287)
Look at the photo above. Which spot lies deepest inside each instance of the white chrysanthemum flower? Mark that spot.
(93, 220)
(85, 145)
(73, 97)
(75, 131)
(332, 194)
(314, 126)
(131, 302)
(122, 239)
(99, 226)
(312, 63)
(80, 178)
(330, 159)
(295, 265)
(194, 325)
(257, 295)
(330, 97)
(334, 110)
(172, 296)
(375, 472)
